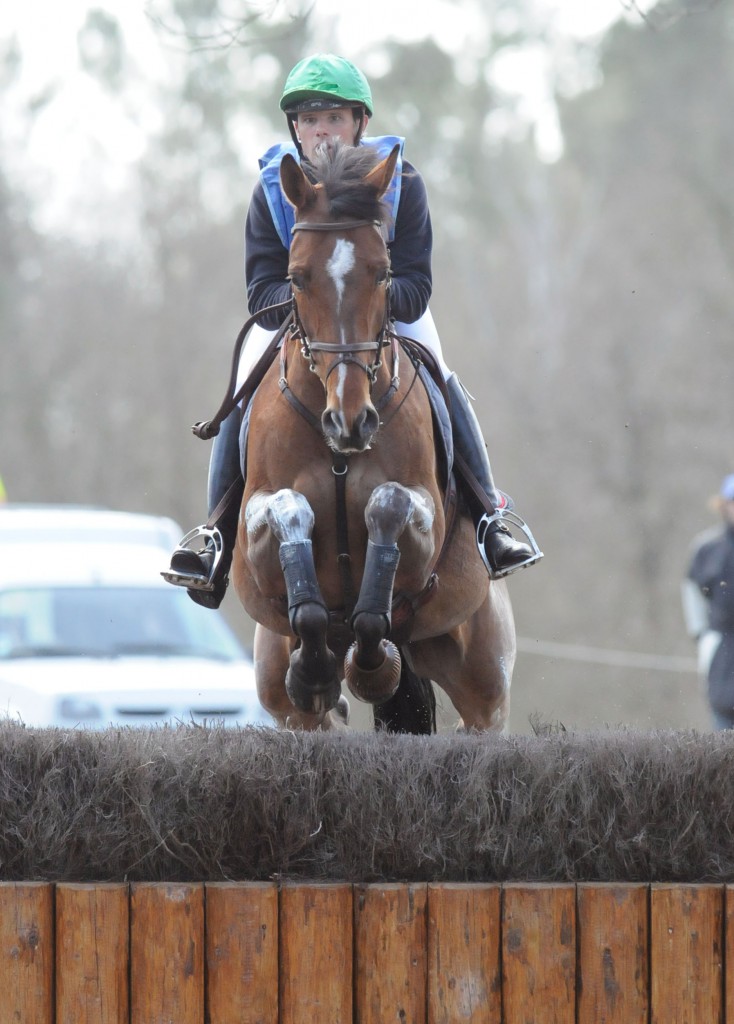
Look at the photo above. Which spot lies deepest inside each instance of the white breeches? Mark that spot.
(423, 330)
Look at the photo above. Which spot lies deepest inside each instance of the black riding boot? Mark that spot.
(501, 552)
(201, 561)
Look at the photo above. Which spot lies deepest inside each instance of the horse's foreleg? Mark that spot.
(372, 664)
(312, 680)
(272, 653)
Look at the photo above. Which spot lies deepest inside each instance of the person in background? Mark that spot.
(708, 606)
(327, 99)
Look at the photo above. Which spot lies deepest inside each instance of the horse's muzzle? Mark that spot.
(350, 436)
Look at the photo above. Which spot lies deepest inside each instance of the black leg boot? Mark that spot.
(501, 552)
(202, 560)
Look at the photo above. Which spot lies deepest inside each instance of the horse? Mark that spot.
(354, 557)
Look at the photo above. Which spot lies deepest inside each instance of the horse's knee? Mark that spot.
(286, 513)
(289, 516)
(392, 507)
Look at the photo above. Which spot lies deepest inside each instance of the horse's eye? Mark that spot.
(297, 281)
(382, 276)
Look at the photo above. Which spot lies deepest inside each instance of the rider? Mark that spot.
(327, 98)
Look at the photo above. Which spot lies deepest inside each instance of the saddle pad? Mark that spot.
(244, 428)
(441, 424)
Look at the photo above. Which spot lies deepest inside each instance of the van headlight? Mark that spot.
(79, 709)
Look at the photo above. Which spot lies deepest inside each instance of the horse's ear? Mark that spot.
(381, 175)
(298, 189)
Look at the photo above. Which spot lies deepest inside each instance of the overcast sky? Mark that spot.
(85, 143)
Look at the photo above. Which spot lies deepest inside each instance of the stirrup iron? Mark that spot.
(505, 515)
(212, 542)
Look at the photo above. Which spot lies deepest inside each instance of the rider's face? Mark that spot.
(320, 126)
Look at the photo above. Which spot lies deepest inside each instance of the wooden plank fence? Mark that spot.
(302, 953)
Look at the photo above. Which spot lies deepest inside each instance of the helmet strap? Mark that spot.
(360, 130)
(292, 129)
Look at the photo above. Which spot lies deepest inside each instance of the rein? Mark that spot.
(207, 429)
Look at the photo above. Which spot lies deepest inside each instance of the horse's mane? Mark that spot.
(341, 170)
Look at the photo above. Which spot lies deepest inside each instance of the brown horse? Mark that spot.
(350, 558)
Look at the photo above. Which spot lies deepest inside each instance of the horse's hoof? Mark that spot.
(373, 686)
(310, 697)
(342, 710)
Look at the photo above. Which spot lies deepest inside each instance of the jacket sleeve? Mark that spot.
(706, 567)
(266, 262)
(410, 252)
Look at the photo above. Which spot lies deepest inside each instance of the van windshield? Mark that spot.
(110, 622)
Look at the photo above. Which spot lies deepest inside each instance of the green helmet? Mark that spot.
(323, 81)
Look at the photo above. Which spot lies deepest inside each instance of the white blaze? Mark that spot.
(339, 265)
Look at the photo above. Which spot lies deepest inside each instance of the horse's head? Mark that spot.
(340, 273)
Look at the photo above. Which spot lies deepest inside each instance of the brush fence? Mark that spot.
(261, 953)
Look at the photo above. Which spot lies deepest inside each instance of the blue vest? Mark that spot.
(281, 210)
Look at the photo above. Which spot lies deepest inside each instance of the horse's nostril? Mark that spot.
(356, 434)
(367, 422)
(332, 423)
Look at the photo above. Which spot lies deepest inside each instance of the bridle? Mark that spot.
(345, 353)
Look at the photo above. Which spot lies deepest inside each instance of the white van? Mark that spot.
(91, 635)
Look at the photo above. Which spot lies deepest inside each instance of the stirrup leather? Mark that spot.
(505, 515)
(212, 541)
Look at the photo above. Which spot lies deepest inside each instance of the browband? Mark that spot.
(344, 225)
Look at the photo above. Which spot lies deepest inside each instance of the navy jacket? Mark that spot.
(266, 258)
(712, 568)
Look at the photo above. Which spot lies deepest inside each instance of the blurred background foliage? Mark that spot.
(584, 296)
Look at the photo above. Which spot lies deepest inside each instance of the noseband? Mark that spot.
(344, 353)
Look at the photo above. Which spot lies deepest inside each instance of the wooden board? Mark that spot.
(464, 982)
(167, 953)
(26, 953)
(539, 954)
(92, 954)
(390, 953)
(613, 964)
(316, 954)
(242, 952)
(686, 953)
(729, 952)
